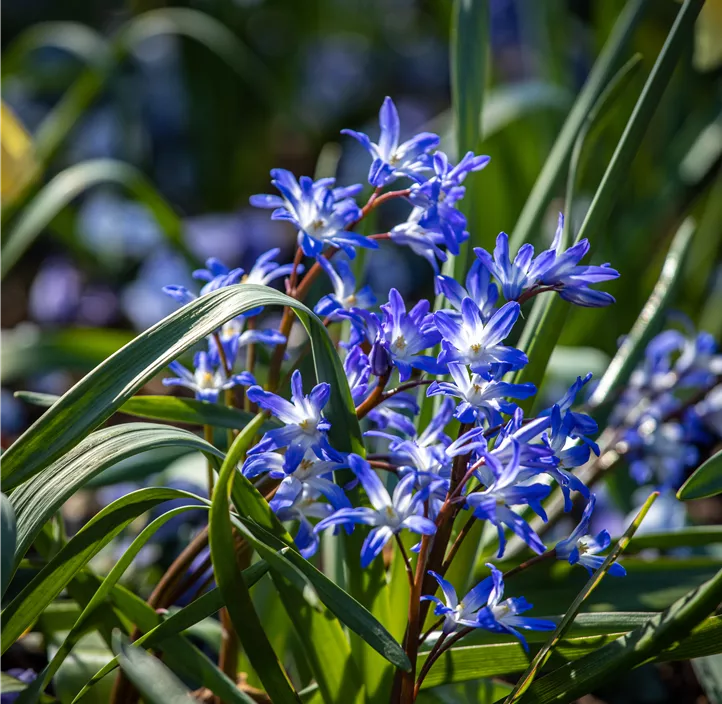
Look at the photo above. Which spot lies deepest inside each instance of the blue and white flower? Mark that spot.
(388, 515)
(581, 548)
(459, 614)
(392, 160)
(344, 296)
(208, 379)
(479, 288)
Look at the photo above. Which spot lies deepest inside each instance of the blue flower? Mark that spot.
(552, 268)
(581, 548)
(419, 239)
(437, 197)
(208, 379)
(503, 616)
(399, 337)
(502, 491)
(389, 515)
(266, 270)
(344, 296)
(216, 275)
(472, 342)
(358, 371)
(459, 614)
(482, 396)
(392, 160)
(321, 213)
(305, 427)
(396, 413)
(478, 287)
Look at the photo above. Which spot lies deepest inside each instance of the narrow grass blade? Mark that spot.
(705, 481)
(172, 409)
(648, 322)
(657, 640)
(230, 581)
(154, 681)
(555, 164)
(543, 655)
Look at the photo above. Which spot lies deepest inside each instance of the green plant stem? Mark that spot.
(208, 437)
(406, 560)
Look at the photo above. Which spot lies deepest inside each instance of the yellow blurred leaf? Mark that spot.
(708, 37)
(18, 163)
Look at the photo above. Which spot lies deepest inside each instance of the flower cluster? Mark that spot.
(670, 415)
(416, 476)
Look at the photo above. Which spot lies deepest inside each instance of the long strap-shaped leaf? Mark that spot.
(599, 76)
(543, 655)
(705, 481)
(649, 320)
(8, 541)
(172, 409)
(37, 500)
(96, 397)
(98, 532)
(228, 577)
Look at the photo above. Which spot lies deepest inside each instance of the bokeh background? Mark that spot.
(170, 115)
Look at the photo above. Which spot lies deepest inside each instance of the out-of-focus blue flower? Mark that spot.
(478, 287)
(321, 212)
(56, 291)
(503, 616)
(472, 342)
(12, 413)
(399, 337)
(22, 675)
(502, 491)
(344, 296)
(581, 548)
(483, 396)
(552, 268)
(208, 378)
(305, 427)
(459, 614)
(389, 515)
(392, 160)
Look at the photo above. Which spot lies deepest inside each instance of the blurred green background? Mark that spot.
(202, 99)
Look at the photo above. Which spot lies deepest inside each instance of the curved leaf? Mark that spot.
(8, 541)
(38, 499)
(705, 481)
(228, 577)
(70, 183)
(114, 381)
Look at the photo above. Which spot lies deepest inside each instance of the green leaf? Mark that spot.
(96, 397)
(8, 541)
(231, 583)
(690, 537)
(543, 655)
(38, 499)
(654, 640)
(167, 408)
(705, 481)
(12, 685)
(648, 322)
(155, 681)
(70, 183)
(75, 554)
(555, 164)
